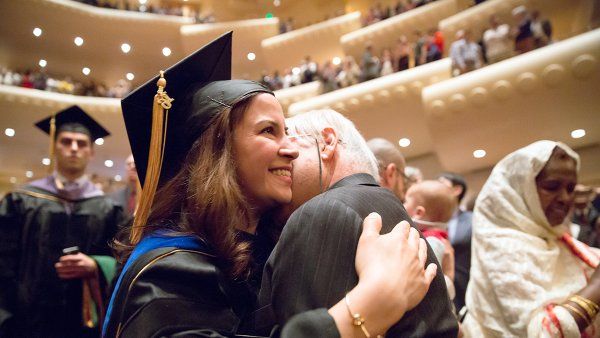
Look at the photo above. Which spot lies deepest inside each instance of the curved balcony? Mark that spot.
(247, 37)
(385, 33)
(321, 41)
(22, 107)
(567, 18)
(388, 107)
(544, 94)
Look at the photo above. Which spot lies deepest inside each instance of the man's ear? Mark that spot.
(390, 173)
(331, 141)
(420, 211)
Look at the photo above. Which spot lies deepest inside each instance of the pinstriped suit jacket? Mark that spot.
(312, 266)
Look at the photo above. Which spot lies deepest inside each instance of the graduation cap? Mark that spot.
(162, 124)
(72, 119)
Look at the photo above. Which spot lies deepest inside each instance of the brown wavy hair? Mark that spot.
(204, 198)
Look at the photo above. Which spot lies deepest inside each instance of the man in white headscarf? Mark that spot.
(529, 277)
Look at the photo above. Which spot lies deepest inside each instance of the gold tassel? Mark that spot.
(52, 143)
(160, 110)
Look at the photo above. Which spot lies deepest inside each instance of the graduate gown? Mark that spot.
(36, 223)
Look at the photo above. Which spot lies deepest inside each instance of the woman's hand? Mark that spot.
(392, 278)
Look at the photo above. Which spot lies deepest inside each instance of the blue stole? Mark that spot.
(155, 240)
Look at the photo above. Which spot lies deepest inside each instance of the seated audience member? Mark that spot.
(334, 189)
(497, 41)
(465, 54)
(529, 276)
(431, 204)
(308, 70)
(459, 234)
(369, 64)
(433, 52)
(350, 73)
(328, 77)
(419, 48)
(391, 165)
(524, 39)
(586, 220)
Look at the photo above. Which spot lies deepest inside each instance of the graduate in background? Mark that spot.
(54, 232)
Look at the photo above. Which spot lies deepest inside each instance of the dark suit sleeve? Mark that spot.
(10, 229)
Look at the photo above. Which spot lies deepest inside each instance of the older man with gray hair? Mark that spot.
(334, 189)
(391, 166)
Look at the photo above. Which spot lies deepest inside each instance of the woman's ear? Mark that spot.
(331, 141)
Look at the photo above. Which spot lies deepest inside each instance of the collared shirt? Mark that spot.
(497, 41)
(464, 53)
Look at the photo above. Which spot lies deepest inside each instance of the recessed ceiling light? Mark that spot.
(46, 161)
(166, 51)
(108, 163)
(78, 41)
(336, 60)
(13, 180)
(143, 2)
(276, 3)
(9, 132)
(404, 142)
(130, 76)
(86, 71)
(125, 48)
(99, 141)
(42, 63)
(479, 153)
(118, 178)
(251, 56)
(578, 133)
(29, 174)
(37, 31)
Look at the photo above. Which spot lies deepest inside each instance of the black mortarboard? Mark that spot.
(166, 115)
(73, 119)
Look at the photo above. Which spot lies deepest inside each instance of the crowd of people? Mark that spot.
(298, 228)
(378, 12)
(64, 85)
(500, 41)
(347, 72)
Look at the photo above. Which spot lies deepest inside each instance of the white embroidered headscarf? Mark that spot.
(518, 263)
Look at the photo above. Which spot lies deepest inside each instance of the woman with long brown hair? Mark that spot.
(214, 161)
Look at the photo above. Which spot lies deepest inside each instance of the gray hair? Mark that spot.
(356, 152)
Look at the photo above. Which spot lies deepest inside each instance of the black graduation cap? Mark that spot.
(167, 114)
(73, 119)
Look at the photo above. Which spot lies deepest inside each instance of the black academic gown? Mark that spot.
(313, 265)
(35, 226)
(181, 292)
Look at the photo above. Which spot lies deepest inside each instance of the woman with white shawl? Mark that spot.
(529, 277)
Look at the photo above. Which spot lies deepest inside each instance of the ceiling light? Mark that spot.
(13, 180)
(99, 141)
(108, 163)
(404, 142)
(85, 71)
(166, 51)
(29, 174)
(143, 2)
(118, 178)
(479, 153)
(125, 48)
(46, 161)
(78, 41)
(37, 31)
(130, 76)
(578, 133)
(276, 3)
(42, 63)
(251, 56)
(336, 61)
(9, 132)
